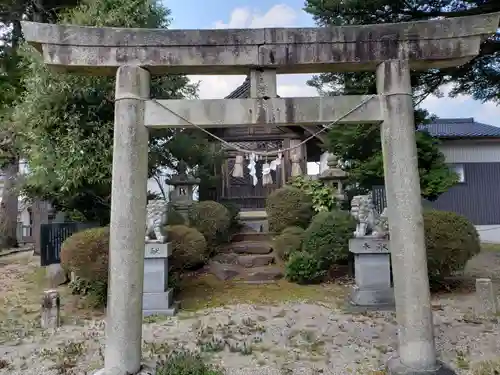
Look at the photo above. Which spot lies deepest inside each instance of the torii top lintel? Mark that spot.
(100, 51)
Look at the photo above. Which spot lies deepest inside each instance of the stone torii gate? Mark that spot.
(391, 50)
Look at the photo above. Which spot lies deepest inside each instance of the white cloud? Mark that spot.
(280, 15)
(462, 106)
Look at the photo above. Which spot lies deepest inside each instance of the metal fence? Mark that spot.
(53, 235)
(380, 200)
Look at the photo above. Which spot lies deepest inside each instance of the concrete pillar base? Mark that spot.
(395, 367)
(144, 370)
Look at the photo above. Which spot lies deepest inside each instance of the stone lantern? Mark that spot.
(335, 177)
(181, 197)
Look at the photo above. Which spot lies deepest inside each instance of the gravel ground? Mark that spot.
(283, 339)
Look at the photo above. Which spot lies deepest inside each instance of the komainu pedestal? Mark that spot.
(372, 270)
(157, 298)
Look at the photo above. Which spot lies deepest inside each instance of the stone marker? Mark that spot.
(51, 306)
(372, 270)
(487, 304)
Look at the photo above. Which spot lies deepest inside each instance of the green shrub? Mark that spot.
(328, 235)
(288, 242)
(212, 219)
(189, 247)
(304, 268)
(86, 254)
(451, 240)
(186, 363)
(322, 196)
(287, 207)
(174, 217)
(234, 222)
(95, 290)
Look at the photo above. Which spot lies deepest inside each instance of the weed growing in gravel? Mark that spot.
(491, 367)
(66, 356)
(186, 363)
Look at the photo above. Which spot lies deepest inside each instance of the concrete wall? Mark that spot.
(468, 151)
(478, 196)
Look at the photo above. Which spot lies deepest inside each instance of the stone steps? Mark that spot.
(238, 273)
(251, 237)
(250, 247)
(247, 261)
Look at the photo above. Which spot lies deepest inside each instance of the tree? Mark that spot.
(359, 147)
(479, 78)
(11, 87)
(66, 121)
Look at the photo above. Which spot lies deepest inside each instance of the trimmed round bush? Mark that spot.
(86, 253)
(174, 217)
(288, 242)
(189, 247)
(212, 219)
(287, 207)
(328, 235)
(304, 268)
(451, 240)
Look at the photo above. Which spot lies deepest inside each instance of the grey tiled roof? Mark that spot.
(460, 128)
(242, 91)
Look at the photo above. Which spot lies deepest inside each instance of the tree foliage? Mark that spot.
(479, 78)
(359, 147)
(11, 87)
(66, 121)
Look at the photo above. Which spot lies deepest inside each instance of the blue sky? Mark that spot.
(193, 14)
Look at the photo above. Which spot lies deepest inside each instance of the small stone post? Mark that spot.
(127, 229)
(487, 305)
(417, 352)
(51, 308)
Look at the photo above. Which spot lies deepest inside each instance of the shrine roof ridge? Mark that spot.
(235, 51)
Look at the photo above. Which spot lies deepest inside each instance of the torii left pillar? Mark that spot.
(127, 228)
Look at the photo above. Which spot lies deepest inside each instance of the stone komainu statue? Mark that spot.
(155, 221)
(369, 222)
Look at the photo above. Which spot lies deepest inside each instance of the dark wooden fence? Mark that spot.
(53, 235)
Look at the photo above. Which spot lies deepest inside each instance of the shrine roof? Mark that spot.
(242, 91)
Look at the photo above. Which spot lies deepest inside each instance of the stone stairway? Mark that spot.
(248, 258)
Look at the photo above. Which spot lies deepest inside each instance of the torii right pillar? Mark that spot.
(417, 352)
